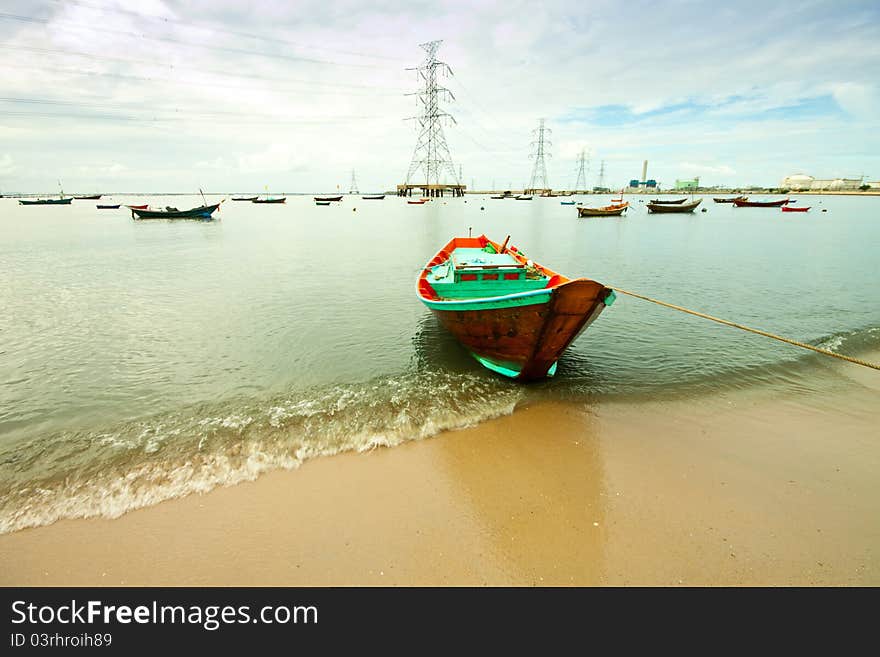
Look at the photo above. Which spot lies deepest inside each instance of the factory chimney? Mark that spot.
(645, 171)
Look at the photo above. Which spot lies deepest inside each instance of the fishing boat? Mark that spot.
(280, 199)
(245, 198)
(513, 315)
(760, 204)
(500, 196)
(108, 207)
(322, 202)
(416, 202)
(201, 212)
(45, 201)
(93, 197)
(328, 198)
(659, 208)
(661, 202)
(788, 208)
(566, 202)
(731, 200)
(607, 211)
(523, 198)
(377, 197)
(137, 207)
(425, 199)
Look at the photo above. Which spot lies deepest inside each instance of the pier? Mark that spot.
(431, 191)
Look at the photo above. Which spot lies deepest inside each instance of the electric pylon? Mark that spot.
(353, 189)
(583, 168)
(540, 169)
(431, 154)
(602, 174)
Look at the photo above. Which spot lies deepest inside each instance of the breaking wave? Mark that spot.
(111, 471)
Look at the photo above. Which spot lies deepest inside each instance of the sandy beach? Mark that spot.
(736, 489)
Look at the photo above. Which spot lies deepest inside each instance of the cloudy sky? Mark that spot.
(166, 95)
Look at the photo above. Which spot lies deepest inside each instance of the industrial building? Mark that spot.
(687, 184)
(644, 184)
(801, 182)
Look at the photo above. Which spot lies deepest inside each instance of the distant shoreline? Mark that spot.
(871, 192)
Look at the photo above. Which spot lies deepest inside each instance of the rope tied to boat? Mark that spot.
(803, 345)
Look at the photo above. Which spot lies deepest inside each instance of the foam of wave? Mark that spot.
(109, 472)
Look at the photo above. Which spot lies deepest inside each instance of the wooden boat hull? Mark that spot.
(760, 204)
(322, 202)
(378, 197)
(601, 212)
(328, 198)
(670, 209)
(660, 202)
(109, 207)
(137, 207)
(93, 197)
(416, 202)
(269, 200)
(46, 201)
(521, 335)
(566, 202)
(523, 198)
(245, 198)
(202, 212)
(788, 208)
(730, 200)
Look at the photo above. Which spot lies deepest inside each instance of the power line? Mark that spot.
(80, 26)
(151, 109)
(261, 37)
(160, 80)
(211, 71)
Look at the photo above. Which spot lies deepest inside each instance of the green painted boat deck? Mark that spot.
(472, 273)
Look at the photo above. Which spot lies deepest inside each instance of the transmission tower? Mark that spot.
(353, 189)
(540, 169)
(431, 154)
(602, 174)
(583, 168)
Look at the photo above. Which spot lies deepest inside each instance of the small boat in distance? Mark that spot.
(661, 208)
(93, 197)
(137, 207)
(245, 198)
(607, 211)
(418, 202)
(566, 202)
(280, 199)
(201, 212)
(731, 199)
(46, 201)
(377, 197)
(514, 316)
(788, 208)
(661, 202)
(500, 196)
(523, 198)
(108, 207)
(328, 198)
(322, 202)
(760, 204)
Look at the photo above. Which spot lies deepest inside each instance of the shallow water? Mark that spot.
(144, 360)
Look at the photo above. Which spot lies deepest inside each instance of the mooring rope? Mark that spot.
(826, 352)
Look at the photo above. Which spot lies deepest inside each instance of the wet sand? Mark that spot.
(743, 488)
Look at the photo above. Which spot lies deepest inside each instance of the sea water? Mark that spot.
(143, 360)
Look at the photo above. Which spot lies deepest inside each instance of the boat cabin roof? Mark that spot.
(464, 258)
